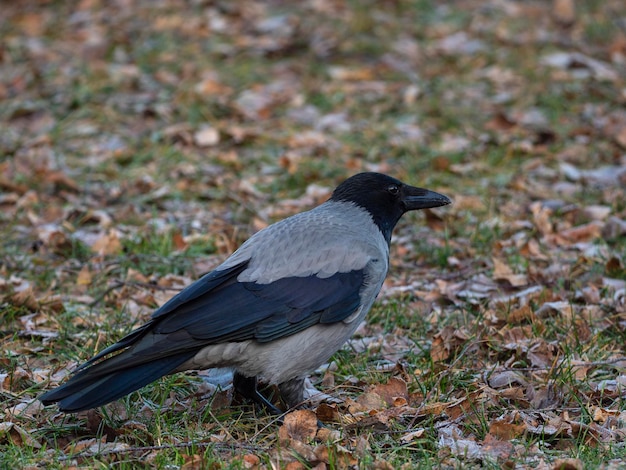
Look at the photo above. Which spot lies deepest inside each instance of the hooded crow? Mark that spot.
(274, 311)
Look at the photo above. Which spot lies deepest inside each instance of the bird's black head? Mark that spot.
(386, 198)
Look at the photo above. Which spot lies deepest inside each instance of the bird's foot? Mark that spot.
(300, 392)
(314, 396)
(247, 388)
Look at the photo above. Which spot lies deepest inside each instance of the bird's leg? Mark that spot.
(300, 390)
(292, 391)
(295, 392)
(247, 388)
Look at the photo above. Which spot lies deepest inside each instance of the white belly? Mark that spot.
(279, 360)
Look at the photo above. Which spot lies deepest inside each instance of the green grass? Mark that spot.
(78, 111)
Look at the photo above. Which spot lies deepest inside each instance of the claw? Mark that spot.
(247, 388)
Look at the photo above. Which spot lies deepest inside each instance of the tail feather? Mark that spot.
(89, 388)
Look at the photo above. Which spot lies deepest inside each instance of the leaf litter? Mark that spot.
(136, 155)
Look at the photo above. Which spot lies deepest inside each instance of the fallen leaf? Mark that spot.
(16, 435)
(394, 389)
(108, 244)
(193, 462)
(299, 425)
(497, 448)
(568, 464)
(564, 12)
(206, 136)
(412, 436)
(503, 272)
(505, 428)
(580, 65)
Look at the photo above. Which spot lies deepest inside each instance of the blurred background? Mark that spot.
(142, 141)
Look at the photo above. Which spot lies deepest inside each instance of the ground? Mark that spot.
(141, 142)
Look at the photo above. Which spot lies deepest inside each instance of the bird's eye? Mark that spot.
(393, 189)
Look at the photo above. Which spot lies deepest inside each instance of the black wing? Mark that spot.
(238, 311)
(215, 309)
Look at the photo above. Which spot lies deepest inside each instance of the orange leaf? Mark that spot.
(505, 429)
(299, 425)
(108, 244)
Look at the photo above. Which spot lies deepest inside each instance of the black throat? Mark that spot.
(368, 191)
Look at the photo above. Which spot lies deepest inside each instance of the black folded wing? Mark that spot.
(217, 308)
(238, 311)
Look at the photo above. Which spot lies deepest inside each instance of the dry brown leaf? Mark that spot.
(179, 241)
(532, 250)
(568, 464)
(439, 351)
(133, 275)
(582, 233)
(437, 408)
(543, 397)
(85, 276)
(503, 272)
(564, 12)
(497, 448)
(506, 379)
(82, 445)
(550, 309)
(594, 434)
(299, 425)
(54, 237)
(542, 354)
(16, 435)
(449, 339)
(351, 73)
(393, 393)
(541, 218)
(61, 180)
(212, 87)
(295, 466)
(451, 437)
(506, 428)
(602, 415)
(328, 413)
(614, 267)
(500, 122)
(520, 315)
(303, 450)
(251, 461)
(25, 297)
(32, 24)
(108, 244)
(193, 462)
(546, 424)
(412, 436)
(579, 63)
(206, 136)
(12, 382)
(580, 369)
(368, 401)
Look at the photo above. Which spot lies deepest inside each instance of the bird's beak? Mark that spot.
(419, 198)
